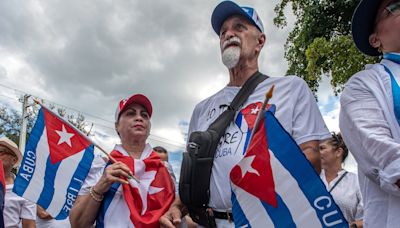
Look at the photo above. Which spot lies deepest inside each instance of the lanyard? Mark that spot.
(395, 87)
(337, 182)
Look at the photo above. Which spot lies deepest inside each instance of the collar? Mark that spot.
(145, 154)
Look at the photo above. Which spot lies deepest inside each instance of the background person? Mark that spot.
(18, 212)
(370, 113)
(342, 184)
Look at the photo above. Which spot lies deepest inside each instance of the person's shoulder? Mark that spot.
(370, 72)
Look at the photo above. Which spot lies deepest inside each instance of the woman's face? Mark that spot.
(387, 27)
(134, 123)
(329, 154)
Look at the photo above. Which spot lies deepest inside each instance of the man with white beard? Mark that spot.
(242, 38)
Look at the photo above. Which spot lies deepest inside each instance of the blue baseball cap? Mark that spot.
(362, 25)
(226, 9)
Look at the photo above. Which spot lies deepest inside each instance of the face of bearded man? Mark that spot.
(231, 52)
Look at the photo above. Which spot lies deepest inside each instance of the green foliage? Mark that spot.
(320, 42)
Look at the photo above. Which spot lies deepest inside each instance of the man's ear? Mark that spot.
(261, 41)
(374, 40)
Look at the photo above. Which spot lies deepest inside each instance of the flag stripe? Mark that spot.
(108, 197)
(280, 216)
(21, 184)
(61, 182)
(238, 214)
(76, 182)
(252, 206)
(48, 191)
(33, 191)
(284, 147)
(292, 195)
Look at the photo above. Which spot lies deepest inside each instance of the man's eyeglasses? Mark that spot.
(394, 8)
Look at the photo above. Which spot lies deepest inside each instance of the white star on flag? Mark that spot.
(255, 110)
(245, 165)
(65, 137)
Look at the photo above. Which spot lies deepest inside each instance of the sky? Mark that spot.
(85, 56)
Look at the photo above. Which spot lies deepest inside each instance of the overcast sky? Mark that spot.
(88, 55)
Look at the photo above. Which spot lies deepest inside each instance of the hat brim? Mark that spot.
(141, 100)
(362, 26)
(14, 150)
(223, 11)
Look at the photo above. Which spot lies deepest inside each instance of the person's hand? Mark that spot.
(116, 172)
(172, 218)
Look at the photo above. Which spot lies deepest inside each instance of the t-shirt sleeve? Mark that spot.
(94, 175)
(308, 123)
(28, 210)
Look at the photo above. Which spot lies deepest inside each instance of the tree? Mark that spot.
(10, 120)
(320, 42)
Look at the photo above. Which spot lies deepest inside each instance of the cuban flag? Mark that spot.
(2, 194)
(274, 185)
(145, 202)
(56, 161)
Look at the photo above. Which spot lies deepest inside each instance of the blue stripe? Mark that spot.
(239, 119)
(29, 161)
(280, 216)
(238, 215)
(108, 197)
(392, 57)
(46, 196)
(395, 94)
(76, 182)
(246, 143)
(291, 157)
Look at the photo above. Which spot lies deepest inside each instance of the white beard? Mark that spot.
(230, 57)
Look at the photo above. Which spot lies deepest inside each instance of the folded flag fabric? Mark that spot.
(274, 185)
(56, 161)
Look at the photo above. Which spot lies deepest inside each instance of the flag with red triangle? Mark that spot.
(274, 185)
(56, 161)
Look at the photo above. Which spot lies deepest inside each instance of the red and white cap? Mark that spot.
(134, 99)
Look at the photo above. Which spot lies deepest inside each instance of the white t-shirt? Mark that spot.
(296, 109)
(17, 208)
(346, 194)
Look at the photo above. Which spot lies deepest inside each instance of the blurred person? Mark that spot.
(106, 197)
(163, 154)
(342, 184)
(370, 111)
(18, 212)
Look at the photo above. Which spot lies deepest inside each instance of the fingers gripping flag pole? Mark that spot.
(274, 185)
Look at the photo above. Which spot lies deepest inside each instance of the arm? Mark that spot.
(28, 223)
(311, 150)
(41, 213)
(84, 211)
(172, 218)
(368, 132)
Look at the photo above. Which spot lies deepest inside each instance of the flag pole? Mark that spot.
(113, 160)
(268, 96)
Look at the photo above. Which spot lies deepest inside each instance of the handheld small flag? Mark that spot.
(274, 185)
(56, 161)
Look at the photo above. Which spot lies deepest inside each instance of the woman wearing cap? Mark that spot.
(18, 212)
(106, 196)
(370, 111)
(343, 185)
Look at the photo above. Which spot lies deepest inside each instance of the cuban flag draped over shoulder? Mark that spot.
(274, 185)
(56, 161)
(2, 194)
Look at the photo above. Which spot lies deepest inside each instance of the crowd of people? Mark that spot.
(369, 124)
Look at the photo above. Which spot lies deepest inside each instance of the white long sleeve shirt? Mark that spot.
(371, 132)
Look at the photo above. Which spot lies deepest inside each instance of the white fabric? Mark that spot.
(296, 110)
(346, 194)
(52, 223)
(371, 132)
(17, 208)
